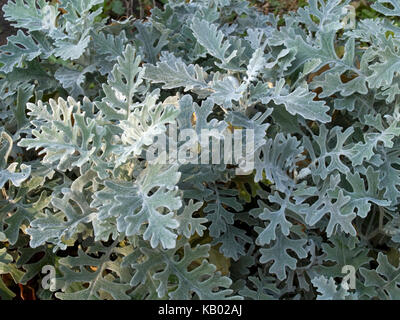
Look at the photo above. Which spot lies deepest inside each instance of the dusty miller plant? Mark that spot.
(81, 99)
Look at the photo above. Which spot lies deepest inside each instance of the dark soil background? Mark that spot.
(5, 28)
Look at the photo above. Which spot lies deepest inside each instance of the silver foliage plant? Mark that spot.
(81, 100)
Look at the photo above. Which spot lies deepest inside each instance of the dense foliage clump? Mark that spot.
(83, 98)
